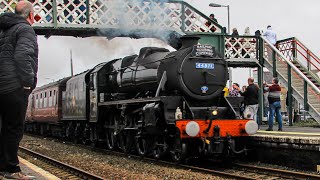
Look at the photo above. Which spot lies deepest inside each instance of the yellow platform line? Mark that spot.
(286, 132)
(38, 170)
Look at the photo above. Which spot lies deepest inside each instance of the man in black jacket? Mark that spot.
(18, 72)
(251, 95)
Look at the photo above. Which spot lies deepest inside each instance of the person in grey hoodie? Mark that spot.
(18, 77)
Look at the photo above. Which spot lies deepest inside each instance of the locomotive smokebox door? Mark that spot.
(203, 72)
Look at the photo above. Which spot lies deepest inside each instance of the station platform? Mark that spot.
(296, 147)
(33, 170)
(306, 138)
(292, 130)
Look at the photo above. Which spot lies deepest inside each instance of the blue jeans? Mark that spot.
(275, 108)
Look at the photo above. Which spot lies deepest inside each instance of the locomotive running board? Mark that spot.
(130, 101)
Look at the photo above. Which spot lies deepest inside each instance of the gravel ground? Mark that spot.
(108, 166)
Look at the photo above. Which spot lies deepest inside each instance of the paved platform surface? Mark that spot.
(306, 138)
(33, 170)
(291, 130)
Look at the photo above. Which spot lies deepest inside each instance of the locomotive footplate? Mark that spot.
(130, 101)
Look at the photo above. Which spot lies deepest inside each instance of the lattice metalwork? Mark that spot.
(7, 6)
(142, 14)
(286, 48)
(240, 47)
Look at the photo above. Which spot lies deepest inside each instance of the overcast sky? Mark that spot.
(289, 18)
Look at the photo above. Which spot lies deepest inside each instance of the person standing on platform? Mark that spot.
(271, 35)
(18, 77)
(274, 104)
(251, 102)
(234, 92)
(265, 102)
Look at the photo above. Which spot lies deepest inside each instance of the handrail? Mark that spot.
(285, 40)
(301, 49)
(316, 58)
(292, 65)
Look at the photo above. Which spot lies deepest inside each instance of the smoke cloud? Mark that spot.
(139, 19)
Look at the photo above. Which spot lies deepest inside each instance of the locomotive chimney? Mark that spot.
(189, 40)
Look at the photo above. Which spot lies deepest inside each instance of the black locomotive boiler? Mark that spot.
(156, 103)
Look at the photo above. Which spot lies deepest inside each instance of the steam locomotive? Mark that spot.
(154, 103)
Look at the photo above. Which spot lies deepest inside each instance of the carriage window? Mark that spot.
(54, 92)
(36, 101)
(40, 101)
(50, 93)
(45, 100)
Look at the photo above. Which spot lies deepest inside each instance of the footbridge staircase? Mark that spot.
(295, 65)
(297, 68)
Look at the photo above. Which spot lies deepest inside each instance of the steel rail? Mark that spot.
(283, 173)
(71, 169)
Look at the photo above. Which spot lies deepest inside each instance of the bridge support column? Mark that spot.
(305, 98)
(88, 11)
(54, 13)
(274, 64)
(289, 94)
(260, 81)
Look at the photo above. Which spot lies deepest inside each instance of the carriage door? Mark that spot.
(93, 96)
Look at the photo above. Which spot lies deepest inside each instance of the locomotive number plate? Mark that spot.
(204, 65)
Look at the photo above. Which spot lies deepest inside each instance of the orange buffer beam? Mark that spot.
(234, 128)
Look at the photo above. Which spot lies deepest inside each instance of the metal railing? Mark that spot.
(299, 85)
(294, 50)
(284, 60)
(172, 14)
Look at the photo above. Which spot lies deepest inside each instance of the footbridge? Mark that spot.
(163, 19)
(296, 66)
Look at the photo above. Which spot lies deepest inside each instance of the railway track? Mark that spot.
(271, 173)
(59, 169)
(236, 171)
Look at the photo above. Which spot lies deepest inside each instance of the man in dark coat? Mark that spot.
(18, 72)
(251, 96)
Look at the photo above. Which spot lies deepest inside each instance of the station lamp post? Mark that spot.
(227, 6)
